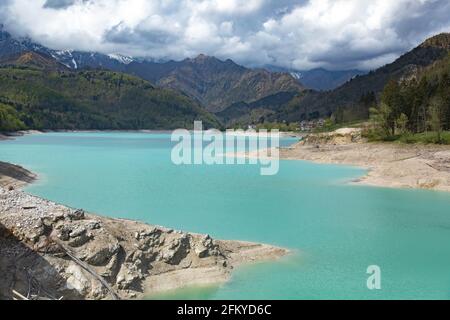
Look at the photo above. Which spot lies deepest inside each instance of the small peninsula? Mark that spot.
(392, 165)
(50, 251)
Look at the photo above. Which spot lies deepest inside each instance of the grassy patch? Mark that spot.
(425, 138)
(410, 138)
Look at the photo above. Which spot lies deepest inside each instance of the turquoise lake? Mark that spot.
(335, 229)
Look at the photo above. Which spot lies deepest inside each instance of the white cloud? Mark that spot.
(289, 33)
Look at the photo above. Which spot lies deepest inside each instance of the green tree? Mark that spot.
(444, 93)
(328, 124)
(381, 120)
(391, 97)
(421, 97)
(367, 101)
(435, 117)
(402, 123)
(9, 119)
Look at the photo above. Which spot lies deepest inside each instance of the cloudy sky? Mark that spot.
(300, 34)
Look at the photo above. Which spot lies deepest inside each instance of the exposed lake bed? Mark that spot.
(394, 165)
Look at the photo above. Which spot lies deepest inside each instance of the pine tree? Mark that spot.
(391, 98)
(435, 117)
(381, 120)
(402, 123)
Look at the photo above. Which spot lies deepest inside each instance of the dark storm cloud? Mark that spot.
(427, 18)
(412, 23)
(145, 38)
(58, 4)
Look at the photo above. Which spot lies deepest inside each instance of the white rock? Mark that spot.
(77, 280)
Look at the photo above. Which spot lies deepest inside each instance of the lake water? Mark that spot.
(334, 229)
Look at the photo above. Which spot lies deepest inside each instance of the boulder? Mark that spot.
(128, 277)
(63, 232)
(77, 280)
(77, 231)
(206, 247)
(99, 254)
(76, 215)
(176, 250)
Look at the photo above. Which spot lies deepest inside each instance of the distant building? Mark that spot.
(310, 125)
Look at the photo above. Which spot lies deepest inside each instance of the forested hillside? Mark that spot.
(419, 104)
(351, 101)
(36, 92)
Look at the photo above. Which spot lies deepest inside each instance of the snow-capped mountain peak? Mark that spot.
(63, 53)
(121, 58)
(65, 57)
(296, 75)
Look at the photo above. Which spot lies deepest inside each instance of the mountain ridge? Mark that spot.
(215, 83)
(441, 41)
(320, 79)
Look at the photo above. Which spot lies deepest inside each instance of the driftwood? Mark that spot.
(86, 267)
(18, 296)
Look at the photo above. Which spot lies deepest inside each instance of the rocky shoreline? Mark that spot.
(50, 251)
(390, 165)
